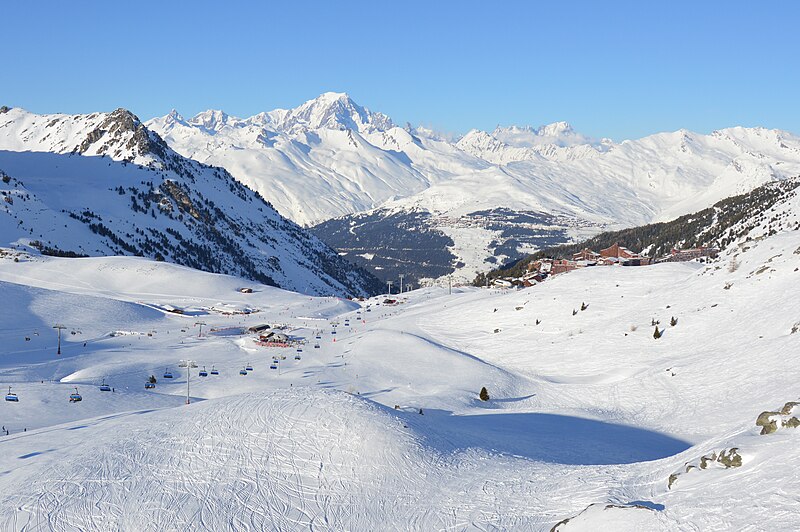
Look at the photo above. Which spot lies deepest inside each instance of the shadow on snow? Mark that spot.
(547, 437)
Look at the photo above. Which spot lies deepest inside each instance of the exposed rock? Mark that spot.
(90, 139)
(4, 109)
(731, 459)
(672, 478)
(768, 424)
(792, 423)
(181, 198)
(594, 508)
(726, 457)
(770, 421)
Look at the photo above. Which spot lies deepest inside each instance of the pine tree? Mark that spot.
(152, 379)
(484, 395)
(674, 321)
(584, 306)
(657, 334)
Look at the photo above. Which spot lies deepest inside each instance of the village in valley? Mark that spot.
(615, 255)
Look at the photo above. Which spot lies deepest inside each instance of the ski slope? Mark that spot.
(589, 416)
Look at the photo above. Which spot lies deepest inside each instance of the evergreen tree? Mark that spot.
(484, 395)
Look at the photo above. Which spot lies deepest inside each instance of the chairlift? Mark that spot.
(319, 337)
(316, 346)
(248, 368)
(242, 372)
(11, 397)
(105, 387)
(167, 374)
(149, 385)
(203, 372)
(274, 365)
(75, 397)
(297, 356)
(214, 371)
(299, 349)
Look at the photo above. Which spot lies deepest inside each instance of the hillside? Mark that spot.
(590, 422)
(764, 211)
(103, 184)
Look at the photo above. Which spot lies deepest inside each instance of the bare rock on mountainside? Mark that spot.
(771, 421)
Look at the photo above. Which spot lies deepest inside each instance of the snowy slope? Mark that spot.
(104, 184)
(591, 422)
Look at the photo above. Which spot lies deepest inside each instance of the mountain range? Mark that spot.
(381, 193)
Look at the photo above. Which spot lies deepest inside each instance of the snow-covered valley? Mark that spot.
(380, 427)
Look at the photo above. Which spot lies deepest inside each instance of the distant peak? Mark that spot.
(332, 110)
(332, 96)
(211, 119)
(555, 129)
(175, 115)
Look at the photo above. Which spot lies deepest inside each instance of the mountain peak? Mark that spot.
(332, 110)
(555, 129)
(332, 96)
(211, 119)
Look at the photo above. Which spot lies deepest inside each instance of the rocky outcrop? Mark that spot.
(771, 421)
(590, 514)
(726, 458)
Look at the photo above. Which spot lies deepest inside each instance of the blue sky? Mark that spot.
(617, 69)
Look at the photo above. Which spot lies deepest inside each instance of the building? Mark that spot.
(562, 266)
(586, 255)
(618, 252)
(274, 338)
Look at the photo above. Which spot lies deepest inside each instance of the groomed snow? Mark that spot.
(587, 412)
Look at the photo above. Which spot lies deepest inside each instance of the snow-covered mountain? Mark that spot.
(502, 212)
(557, 142)
(329, 157)
(102, 184)
(335, 163)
